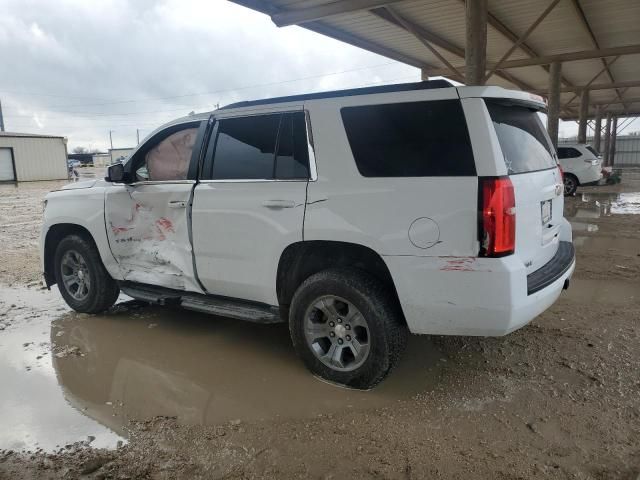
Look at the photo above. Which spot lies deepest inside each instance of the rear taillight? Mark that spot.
(497, 217)
(561, 172)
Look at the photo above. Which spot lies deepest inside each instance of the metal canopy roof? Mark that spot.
(597, 41)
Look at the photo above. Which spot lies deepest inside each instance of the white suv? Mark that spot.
(356, 216)
(581, 165)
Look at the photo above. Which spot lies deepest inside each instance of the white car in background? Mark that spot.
(581, 164)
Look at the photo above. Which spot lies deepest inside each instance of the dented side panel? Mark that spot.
(148, 230)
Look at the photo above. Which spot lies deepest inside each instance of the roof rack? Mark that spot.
(398, 87)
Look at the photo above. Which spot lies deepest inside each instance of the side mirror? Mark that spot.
(115, 173)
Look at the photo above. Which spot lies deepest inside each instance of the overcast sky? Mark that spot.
(81, 68)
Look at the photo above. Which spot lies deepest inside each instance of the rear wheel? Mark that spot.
(347, 327)
(83, 281)
(570, 184)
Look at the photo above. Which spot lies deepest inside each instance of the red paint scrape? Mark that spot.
(459, 265)
(118, 230)
(165, 225)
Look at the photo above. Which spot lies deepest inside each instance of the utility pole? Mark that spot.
(1, 119)
(138, 135)
(110, 139)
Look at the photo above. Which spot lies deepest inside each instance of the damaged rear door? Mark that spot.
(147, 220)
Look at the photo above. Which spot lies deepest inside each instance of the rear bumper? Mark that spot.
(476, 296)
(590, 175)
(553, 270)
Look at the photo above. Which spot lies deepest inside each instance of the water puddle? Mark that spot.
(595, 204)
(35, 411)
(584, 227)
(86, 375)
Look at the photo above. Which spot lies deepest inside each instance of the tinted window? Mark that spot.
(566, 152)
(246, 147)
(417, 139)
(592, 150)
(292, 160)
(525, 144)
(169, 159)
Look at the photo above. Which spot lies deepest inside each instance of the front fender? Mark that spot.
(83, 208)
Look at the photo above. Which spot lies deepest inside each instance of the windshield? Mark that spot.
(524, 141)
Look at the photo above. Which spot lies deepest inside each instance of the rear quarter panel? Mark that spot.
(379, 213)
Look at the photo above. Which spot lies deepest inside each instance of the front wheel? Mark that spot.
(83, 281)
(347, 327)
(570, 184)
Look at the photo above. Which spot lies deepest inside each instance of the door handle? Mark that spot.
(177, 204)
(276, 204)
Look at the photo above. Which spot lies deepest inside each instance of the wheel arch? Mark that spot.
(302, 259)
(54, 235)
(569, 174)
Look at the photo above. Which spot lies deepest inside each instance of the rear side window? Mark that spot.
(524, 141)
(292, 160)
(418, 139)
(261, 147)
(567, 152)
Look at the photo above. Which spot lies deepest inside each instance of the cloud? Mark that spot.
(80, 69)
(37, 120)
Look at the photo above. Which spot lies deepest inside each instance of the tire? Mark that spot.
(365, 315)
(570, 184)
(77, 260)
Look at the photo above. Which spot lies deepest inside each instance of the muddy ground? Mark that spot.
(145, 392)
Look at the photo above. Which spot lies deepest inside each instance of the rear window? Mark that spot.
(524, 141)
(593, 150)
(418, 139)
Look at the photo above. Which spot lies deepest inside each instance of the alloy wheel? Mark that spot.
(75, 275)
(337, 333)
(569, 185)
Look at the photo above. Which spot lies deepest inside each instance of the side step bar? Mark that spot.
(222, 306)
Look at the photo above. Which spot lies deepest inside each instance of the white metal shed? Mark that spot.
(28, 157)
(119, 154)
(102, 159)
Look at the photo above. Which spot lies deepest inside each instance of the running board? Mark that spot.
(212, 304)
